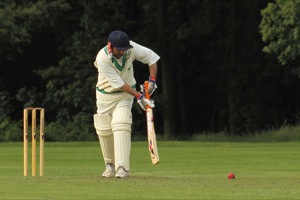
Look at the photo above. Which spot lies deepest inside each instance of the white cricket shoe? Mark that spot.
(122, 173)
(109, 171)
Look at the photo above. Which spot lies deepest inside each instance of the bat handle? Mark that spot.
(147, 95)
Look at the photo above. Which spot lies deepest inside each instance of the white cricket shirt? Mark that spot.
(113, 72)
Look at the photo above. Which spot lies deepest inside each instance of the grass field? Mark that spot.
(188, 170)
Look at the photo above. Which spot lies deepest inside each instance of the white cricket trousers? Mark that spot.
(115, 142)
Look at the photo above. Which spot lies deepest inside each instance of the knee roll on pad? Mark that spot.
(122, 119)
(102, 124)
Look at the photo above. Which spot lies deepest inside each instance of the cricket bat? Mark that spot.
(150, 130)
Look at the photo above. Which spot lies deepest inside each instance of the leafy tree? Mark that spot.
(280, 29)
(29, 37)
(212, 76)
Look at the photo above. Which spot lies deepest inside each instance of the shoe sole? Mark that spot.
(108, 176)
(122, 176)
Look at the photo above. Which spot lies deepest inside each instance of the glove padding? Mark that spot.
(143, 102)
(152, 85)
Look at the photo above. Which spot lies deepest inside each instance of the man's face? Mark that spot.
(118, 53)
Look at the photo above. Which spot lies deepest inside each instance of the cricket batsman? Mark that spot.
(115, 93)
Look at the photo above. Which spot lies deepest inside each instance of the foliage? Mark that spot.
(213, 76)
(65, 131)
(280, 29)
(5, 106)
(283, 134)
(10, 130)
(29, 35)
(20, 21)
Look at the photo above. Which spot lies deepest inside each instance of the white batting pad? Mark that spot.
(121, 126)
(122, 140)
(103, 128)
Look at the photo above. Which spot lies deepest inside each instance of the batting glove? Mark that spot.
(152, 85)
(143, 102)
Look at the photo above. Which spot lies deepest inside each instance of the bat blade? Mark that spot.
(152, 137)
(151, 130)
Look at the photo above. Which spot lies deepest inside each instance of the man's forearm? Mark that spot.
(153, 70)
(129, 90)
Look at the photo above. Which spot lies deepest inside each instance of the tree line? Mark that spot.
(226, 66)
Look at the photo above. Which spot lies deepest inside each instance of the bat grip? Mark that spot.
(147, 95)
